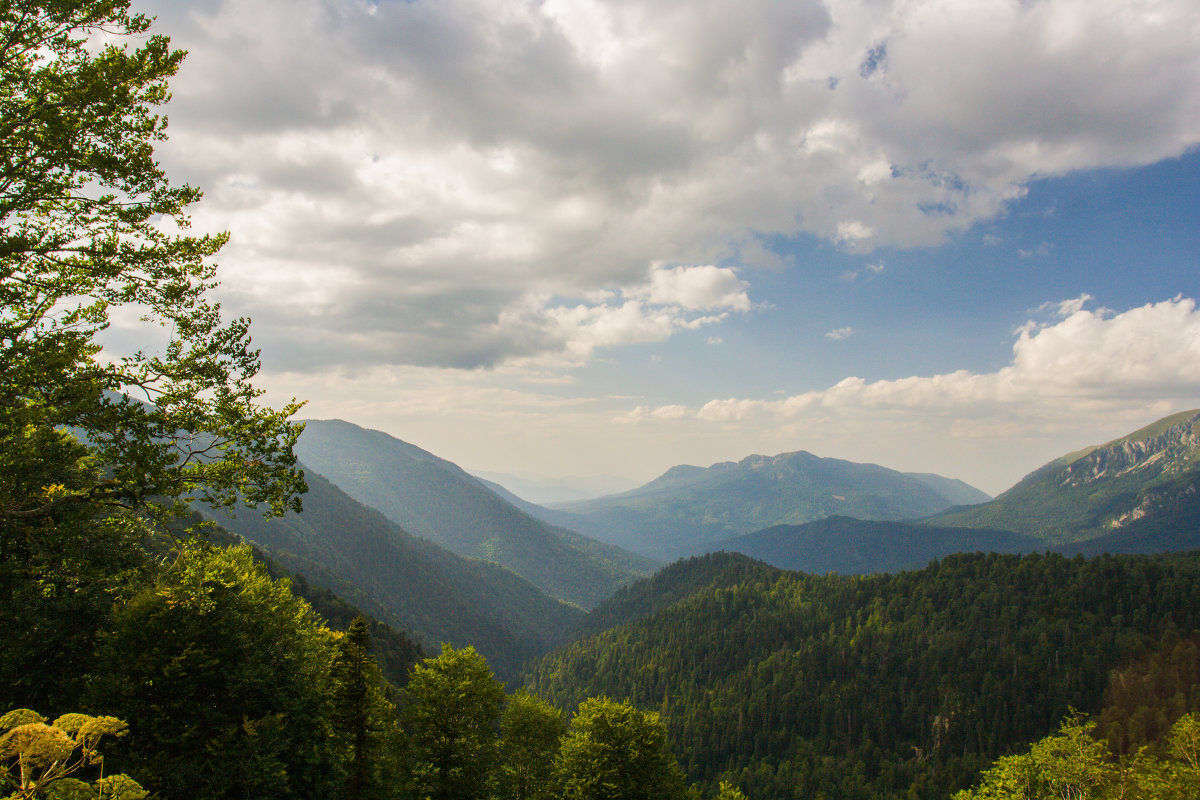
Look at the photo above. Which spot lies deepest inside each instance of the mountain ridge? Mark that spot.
(436, 499)
(1097, 490)
(410, 583)
(687, 509)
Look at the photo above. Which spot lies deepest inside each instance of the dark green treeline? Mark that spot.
(901, 685)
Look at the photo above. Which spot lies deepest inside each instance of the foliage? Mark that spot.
(727, 791)
(225, 672)
(880, 686)
(456, 702)
(60, 573)
(531, 731)
(1074, 765)
(364, 719)
(38, 758)
(89, 223)
(614, 751)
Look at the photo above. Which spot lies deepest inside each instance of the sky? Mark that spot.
(580, 238)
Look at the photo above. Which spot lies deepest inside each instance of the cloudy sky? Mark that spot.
(580, 237)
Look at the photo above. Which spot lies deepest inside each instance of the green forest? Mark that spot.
(146, 653)
(797, 685)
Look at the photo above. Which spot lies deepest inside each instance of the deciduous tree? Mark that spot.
(614, 751)
(531, 732)
(89, 223)
(452, 722)
(226, 675)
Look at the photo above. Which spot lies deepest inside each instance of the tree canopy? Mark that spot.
(1075, 764)
(456, 703)
(615, 751)
(90, 223)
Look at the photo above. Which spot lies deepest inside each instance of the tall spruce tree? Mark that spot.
(352, 677)
(364, 720)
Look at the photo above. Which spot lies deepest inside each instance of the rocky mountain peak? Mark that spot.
(1167, 448)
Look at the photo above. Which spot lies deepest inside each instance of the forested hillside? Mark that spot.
(801, 685)
(409, 582)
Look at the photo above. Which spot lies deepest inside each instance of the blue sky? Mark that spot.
(577, 237)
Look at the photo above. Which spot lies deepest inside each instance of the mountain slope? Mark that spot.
(858, 547)
(412, 584)
(885, 686)
(433, 498)
(688, 508)
(1100, 490)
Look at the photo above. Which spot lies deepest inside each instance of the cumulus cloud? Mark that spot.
(1079, 377)
(1082, 362)
(839, 334)
(404, 179)
(697, 288)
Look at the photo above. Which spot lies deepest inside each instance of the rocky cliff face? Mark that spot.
(1160, 458)
(1168, 452)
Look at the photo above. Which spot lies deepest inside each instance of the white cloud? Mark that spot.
(697, 288)
(1085, 358)
(1083, 370)
(420, 170)
(669, 301)
(839, 334)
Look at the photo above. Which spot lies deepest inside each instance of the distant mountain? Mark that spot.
(339, 544)
(433, 498)
(858, 547)
(688, 509)
(1142, 482)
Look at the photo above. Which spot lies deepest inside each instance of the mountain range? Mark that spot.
(435, 499)
(1137, 494)
(688, 509)
(431, 550)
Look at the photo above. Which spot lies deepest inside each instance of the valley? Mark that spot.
(819, 655)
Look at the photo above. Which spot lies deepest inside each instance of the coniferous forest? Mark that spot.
(145, 652)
